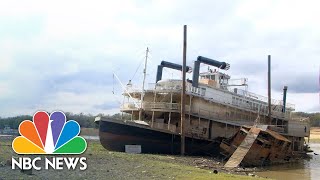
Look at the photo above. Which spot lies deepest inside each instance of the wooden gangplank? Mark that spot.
(242, 149)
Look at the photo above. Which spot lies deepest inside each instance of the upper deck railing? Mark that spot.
(199, 91)
(244, 96)
(263, 98)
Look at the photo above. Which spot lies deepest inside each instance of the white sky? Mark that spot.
(59, 55)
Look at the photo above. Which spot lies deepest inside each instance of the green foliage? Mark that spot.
(315, 120)
(13, 122)
(124, 116)
(313, 117)
(85, 120)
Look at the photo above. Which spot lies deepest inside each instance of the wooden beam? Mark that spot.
(269, 88)
(183, 93)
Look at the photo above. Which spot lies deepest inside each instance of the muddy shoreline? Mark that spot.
(103, 164)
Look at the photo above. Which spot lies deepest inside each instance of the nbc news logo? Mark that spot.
(51, 135)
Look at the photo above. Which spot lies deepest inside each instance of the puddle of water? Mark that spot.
(4, 135)
(91, 137)
(304, 169)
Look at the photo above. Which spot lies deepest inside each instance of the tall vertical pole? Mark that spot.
(183, 92)
(284, 100)
(144, 79)
(269, 88)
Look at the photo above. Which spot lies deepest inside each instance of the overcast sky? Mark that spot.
(60, 55)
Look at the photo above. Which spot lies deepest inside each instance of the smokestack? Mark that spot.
(208, 61)
(285, 88)
(169, 65)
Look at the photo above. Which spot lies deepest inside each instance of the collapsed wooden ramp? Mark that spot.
(243, 148)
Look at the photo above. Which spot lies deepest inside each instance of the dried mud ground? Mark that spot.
(315, 134)
(103, 164)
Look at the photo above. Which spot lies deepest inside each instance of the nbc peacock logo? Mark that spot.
(49, 135)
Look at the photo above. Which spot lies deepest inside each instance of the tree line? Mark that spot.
(85, 120)
(313, 117)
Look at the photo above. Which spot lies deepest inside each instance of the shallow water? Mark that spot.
(304, 169)
(91, 137)
(5, 135)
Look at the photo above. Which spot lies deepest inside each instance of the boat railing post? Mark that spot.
(225, 132)
(170, 106)
(190, 101)
(199, 115)
(154, 101)
(122, 106)
(269, 89)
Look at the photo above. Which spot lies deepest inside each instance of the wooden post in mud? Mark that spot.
(183, 92)
(269, 89)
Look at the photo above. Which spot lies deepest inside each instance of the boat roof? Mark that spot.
(257, 130)
(277, 136)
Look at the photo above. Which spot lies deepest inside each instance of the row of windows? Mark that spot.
(248, 104)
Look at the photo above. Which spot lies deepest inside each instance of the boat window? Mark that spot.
(204, 130)
(288, 145)
(243, 133)
(259, 143)
(280, 143)
(263, 136)
(268, 146)
(272, 138)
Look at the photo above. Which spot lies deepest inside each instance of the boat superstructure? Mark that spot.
(216, 108)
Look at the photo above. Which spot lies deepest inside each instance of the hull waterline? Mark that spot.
(115, 135)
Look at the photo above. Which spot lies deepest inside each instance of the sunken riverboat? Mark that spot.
(256, 146)
(217, 110)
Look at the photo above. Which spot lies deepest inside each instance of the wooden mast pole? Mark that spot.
(183, 92)
(144, 79)
(269, 88)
